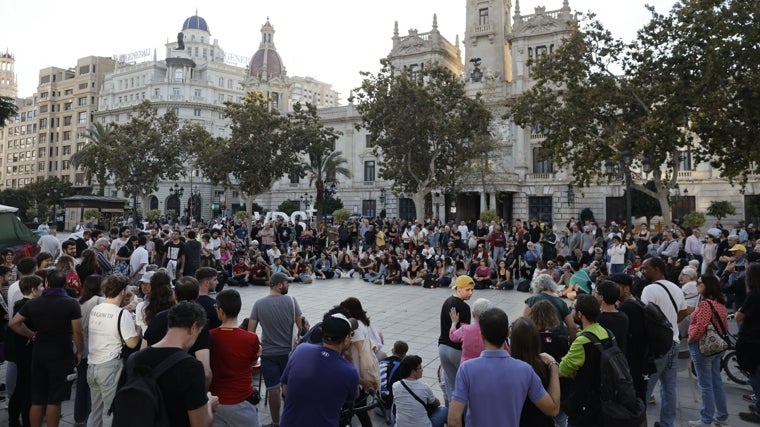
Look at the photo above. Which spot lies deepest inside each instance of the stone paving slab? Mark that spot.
(412, 314)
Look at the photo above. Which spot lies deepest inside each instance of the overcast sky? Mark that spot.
(330, 40)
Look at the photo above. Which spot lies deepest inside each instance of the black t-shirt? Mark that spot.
(616, 322)
(636, 340)
(174, 251)
(192, 255)
(52, 315)
(464, 317)
(749, 332)
(208, 304)
(183, 386)
(18, 348)
(160, 324)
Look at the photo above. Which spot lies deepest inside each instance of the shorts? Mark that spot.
(49, 384)
(272, 368)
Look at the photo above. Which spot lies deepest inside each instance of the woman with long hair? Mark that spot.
(525, 345)
(91, 296)
(121, 264)
(710, 311)
(65, 263)
(159, 299)
(88, 266)
(709, 254)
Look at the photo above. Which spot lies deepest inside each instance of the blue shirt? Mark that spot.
(319, 382)
(495, 386)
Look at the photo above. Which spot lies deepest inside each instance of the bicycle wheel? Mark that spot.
(734, 372)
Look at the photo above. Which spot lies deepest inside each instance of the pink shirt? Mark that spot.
(469, 336)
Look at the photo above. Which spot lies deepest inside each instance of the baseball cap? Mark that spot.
(463, 282)
(337, 327)
(738, 247)
(147, 276)
(278, 278)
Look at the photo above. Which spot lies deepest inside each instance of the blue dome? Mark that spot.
(195, 22)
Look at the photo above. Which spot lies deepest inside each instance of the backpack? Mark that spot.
(388, 368)
(139, 402)
(620, 406)
(523, 285)
(659, 331)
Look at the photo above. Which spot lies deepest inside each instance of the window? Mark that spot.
(68, 91)
(369, 170)
(44, 95)
(197, 112)
(40, 166)
(686, 160)
(65, 165)
(178, 74)
(84, 69)
(157, 92)
(197, 92)
(368, 141)
(483, 16)
(175, 91)
(221, 81)
(67, 106)
(541, 208)
(293, 176)
(43, 123)
(83, 117)
(229, 83)
(67, 121)
(542, 162)
(221, 97)
(369, 208)
(66, 136)
(82, 101)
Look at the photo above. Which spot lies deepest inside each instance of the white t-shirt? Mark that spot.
(104, 341)
(140, 315)
(139, 256)
(116, 245)
(14, 294)
(410, 412)
(658, 295)
(216, 244)
(690, 293)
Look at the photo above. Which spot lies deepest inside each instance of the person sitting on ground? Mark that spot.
(240, 272)
(260, 273)
(412, 397)
(323, 267)
(389, 371)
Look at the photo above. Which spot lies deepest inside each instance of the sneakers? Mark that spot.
(751, 398)
(698, 423)
(719, 423)
(751, 417)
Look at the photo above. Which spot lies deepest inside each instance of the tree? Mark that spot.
(20, 198)
(321, 168)
(423, 126)
(257, 152)
(643, 204)
(720, 209)
(590, 115)
(48, 192)
(100, 145)
(324, 164)
(8, 109)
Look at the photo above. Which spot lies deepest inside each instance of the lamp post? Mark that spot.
(178, 191)
(628, 206)
(53, 195)
(382, 198)
(195, 195)
(134, 182)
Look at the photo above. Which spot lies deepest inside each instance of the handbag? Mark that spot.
(430, 408)
(296, 334)
(713, 342)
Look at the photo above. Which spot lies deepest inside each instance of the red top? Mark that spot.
(701, 316)
(233, 353)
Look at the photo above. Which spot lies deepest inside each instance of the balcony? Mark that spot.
(538, 176)
(480, 30)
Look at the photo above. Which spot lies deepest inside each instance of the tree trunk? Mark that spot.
(419, 205)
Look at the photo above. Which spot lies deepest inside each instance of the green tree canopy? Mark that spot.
(720, 209)
(8, 109)
(422, 125)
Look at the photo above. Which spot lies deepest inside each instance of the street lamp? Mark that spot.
(177, 191)
(382, 198)
(628, 204)
(195, 195)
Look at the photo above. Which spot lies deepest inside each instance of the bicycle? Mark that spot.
(370, 402)
(728, 362)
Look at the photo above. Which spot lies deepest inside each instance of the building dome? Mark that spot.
(195, 22)
(265, 63)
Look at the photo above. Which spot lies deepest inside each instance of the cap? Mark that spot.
(277, 278)
(738, 247)
(146, 277)
(337, 327)
(463, 281)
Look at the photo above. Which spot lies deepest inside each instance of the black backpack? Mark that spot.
(140, 402)
(659, 331)
(620, 406)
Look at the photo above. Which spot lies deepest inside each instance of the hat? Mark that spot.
(277, 278)
(738, 247)
(463, 281)
(337, 327)
(146, 277)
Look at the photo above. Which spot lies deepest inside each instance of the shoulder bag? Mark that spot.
(713, 342)
(429, 407)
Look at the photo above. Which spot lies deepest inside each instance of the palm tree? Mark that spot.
(321, 167)
(92, 156)
(8, 109)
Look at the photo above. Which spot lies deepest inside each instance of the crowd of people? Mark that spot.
(83, 306)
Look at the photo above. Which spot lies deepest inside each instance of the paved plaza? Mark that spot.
(412, 314)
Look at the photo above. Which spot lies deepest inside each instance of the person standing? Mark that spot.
(138, 260)
(320, 368)
(637, 347)
(450, 352)
(58, 319)
(481, 383)
(277, 313)
(175, 256)
(207, 280)
(749, 340)
(109, 325)
(234, 351)
(192, 254)
(669, 297)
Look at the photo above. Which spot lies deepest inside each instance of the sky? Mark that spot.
(330, 40)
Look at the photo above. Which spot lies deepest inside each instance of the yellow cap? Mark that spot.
(463, 282)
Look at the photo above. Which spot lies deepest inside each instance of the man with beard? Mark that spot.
(277, 313)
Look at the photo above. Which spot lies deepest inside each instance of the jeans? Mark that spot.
(438, 417)
(710, 385)
(617, 268)
(754, 380)
(450, 358)
(103, 380)
(239, 414)
(82, 398)
(667, 374)
(498, 254)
